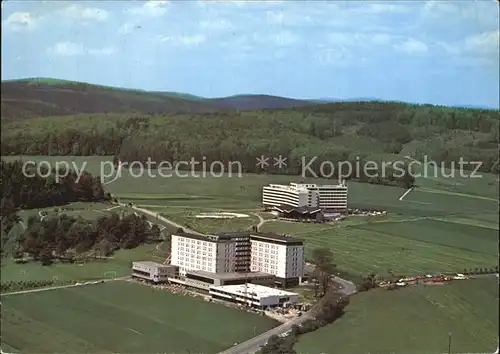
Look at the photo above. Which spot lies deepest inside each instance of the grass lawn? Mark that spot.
(414, 320)
(187, 217)
(122, 317)
(118, 265)
(405, 246)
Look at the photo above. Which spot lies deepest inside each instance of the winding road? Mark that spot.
(162, 218)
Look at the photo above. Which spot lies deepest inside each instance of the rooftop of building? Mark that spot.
(253, 289)
(213, 238)
(225, 236)
(271, 236)
(150, 264)
(306, 186)
(231, 275)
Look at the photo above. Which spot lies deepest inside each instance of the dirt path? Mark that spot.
(406, 193)
(164, 219)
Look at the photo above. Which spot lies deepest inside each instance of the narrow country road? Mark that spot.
(162, 218)
(261, 220)
(406, 193)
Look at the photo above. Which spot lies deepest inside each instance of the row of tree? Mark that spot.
(67, 238)
(477, 271)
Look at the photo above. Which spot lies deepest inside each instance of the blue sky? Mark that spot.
(443, 52)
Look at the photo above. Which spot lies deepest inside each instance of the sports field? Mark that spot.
(122, 317)
(414, 320)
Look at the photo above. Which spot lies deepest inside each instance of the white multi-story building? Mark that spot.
(329, 198)
(208, 253)
(280, 256)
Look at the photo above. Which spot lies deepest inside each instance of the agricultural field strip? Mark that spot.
(438, 191)
(459, 303)
(359, 256)
(37, 290)
(345, 236)
(145, 316)
(414, 307)
(406, 237)
(55, 332)
(133, 313)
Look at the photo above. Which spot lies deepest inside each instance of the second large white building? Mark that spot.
(277, 255)
(329, 198)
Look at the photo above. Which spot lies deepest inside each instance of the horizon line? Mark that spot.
(318, 100)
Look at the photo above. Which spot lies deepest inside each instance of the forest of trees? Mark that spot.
(19, 191)
(67, 238)
(355, 132)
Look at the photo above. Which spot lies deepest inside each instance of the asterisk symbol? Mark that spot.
(262, 161)
(280, 161)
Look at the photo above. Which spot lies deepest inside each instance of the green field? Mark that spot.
(122, 317)
(441, 225)
(117, 265)
(414, 320)
(444, 224)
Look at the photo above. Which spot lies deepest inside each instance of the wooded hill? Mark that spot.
(41, 97)
(22, 192)
(334, 132)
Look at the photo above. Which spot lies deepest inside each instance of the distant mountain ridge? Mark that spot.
(40, 97)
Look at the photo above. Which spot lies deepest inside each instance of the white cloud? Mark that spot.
(380, 8)
(484, 43)
(80, 13)
(481, 13)
(285, 38)
(215, 25)
(128, 28)
(289, 16)
(67, 49)
(411, 46)
(354, 39)
(439, 9)
(150, 9)
(275, 17)
(335, 57)
(106, 51)
(77, 49)
(381, 39)
(192, 40)
(18, 21)
(449, 48)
